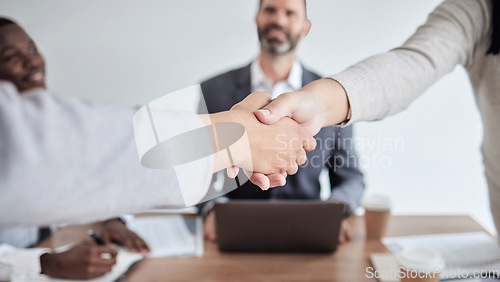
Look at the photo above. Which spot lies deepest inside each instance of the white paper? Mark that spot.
(464, 251)
(168, 235)
(455, 248)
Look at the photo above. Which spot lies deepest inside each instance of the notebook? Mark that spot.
(170, 235)
(466, 252)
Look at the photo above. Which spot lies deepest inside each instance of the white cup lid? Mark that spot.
(421, 259)
(377, 202)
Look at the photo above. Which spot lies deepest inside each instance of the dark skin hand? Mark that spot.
(345, 233)
(83, 261)
(115, 231)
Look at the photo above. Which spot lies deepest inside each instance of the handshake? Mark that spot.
(278, 143)
(267, 138)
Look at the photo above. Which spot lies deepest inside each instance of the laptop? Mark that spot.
(278, 226)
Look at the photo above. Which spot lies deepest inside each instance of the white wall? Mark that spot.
(129, 52)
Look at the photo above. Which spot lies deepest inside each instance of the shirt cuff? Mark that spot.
(24, 263)
(347, 121)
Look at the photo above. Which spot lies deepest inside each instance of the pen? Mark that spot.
(97, 239)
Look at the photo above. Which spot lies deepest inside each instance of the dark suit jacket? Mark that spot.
(334, 150)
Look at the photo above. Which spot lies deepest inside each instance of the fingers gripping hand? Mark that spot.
(252, 103)
(297, 105)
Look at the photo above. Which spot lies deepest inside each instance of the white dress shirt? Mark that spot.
(260, 82)
(19, 263)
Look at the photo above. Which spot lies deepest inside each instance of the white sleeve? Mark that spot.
(64, 160)
(19, 263)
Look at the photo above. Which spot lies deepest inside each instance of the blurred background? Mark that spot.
(130, 52)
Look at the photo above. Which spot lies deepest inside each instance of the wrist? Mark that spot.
(46, 263)
(227, 116)
(331, 99)
(230, 139)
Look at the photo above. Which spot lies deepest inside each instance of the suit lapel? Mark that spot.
(308, 76)
(243, 84)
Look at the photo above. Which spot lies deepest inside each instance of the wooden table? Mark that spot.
(349, 263)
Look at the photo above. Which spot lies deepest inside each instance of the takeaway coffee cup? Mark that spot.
(419, 265)
(377, 215)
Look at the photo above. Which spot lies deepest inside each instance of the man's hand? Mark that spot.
(209, 227)
(252, 103)
(300, 106)
(84, 261)
(320, 103)
(345, 233)
(274, 149)
(277, 148)
(115, 231)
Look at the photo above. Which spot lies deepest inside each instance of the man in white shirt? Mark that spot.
(281, 24)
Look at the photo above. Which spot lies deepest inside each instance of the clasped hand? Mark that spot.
(277, 149)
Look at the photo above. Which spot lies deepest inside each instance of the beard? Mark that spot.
(275, 46)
